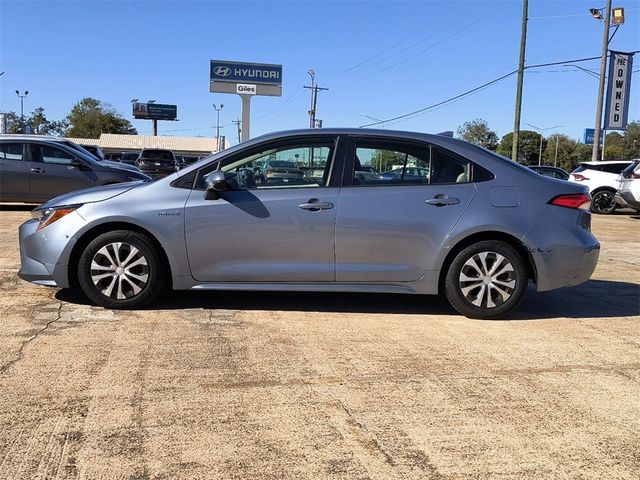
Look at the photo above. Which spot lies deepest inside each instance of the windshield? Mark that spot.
(157, 154)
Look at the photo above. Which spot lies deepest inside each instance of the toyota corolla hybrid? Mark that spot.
(477, 227)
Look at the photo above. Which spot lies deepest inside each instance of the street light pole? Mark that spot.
(603, 68)
(218, 123)
(542, 130)
(26, 92)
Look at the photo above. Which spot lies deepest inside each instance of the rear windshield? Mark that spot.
(130, 156)
(159, 154)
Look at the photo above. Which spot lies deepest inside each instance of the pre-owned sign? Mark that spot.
(616, 112)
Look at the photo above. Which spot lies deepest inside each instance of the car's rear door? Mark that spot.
(388, 230)
(266, 233)
(52, 173)
(14, 172)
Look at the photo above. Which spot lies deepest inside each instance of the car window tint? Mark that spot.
(53, 155)
(379, 162)
(614, 168)
(447, 168)
(11, 151)
(290, 166)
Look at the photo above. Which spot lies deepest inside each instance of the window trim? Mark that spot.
(277, 143)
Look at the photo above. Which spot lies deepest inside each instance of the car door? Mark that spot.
(53, 174)
(14, 172)
(266, 232)
(388, 230)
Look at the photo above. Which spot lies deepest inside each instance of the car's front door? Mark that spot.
(14, 172)
(52, 173)
(389, 228)
(281, 231)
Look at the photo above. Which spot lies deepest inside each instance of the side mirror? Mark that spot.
(215, 183)
(75, 163)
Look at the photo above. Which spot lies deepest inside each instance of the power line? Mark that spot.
(473, 90)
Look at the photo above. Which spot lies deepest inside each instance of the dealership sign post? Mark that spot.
(246, 80)
(616, 112)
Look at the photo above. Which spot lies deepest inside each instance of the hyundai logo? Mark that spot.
(222, 71)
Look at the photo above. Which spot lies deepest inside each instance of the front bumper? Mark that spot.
(44, 254)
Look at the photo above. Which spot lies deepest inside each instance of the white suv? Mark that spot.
(629, 187)
(602, 178)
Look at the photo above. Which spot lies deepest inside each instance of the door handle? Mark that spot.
(315, 205)
(37, 170)
(441, 200)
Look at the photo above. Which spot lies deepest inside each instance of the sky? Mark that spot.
(379, 59)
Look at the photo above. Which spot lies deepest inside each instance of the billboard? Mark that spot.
(243, 78)
(154, 111)
(616, 110)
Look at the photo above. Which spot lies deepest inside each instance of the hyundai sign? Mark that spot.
(616, 111)
(251, 73)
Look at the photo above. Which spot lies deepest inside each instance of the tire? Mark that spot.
(603, 202)
(121, 270)
(475, 294)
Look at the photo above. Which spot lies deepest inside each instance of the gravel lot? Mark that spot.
(310, 386)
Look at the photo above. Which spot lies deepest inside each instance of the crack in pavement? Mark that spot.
(20, 354)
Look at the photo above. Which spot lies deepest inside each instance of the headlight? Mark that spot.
(47, 216)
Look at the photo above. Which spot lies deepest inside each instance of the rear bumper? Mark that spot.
(629, 199)
(566, 254)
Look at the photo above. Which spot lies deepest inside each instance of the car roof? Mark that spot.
(605, 162)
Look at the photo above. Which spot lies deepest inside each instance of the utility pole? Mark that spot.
(26, 92)
(155, 127)
(523, 44)
(237, 123)
(603, 70)
(314, 98)
(218, 124)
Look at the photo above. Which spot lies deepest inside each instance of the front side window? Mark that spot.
(379, 162)
(11, 151)
(292, 166)
(49, 154)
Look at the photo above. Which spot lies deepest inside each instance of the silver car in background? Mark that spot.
(477, 227)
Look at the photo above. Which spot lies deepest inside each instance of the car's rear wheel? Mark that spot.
(121, 269)
(486, 280)
(603, 202)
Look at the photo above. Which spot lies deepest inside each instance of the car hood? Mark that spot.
(122, 166)
(93, 194)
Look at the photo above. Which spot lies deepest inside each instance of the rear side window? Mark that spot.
(401, 163)
(614, 168)
(11, 151)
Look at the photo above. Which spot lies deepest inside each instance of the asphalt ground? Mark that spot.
(311, 386)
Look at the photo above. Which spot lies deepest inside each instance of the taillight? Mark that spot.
(269, 171)
(580, 201)
(632, 175)
(579, 178)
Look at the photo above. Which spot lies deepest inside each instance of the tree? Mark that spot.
(478, 132)
(384, 160)
(564, 146)
(529, 147)
(35, 122)
(90, 117)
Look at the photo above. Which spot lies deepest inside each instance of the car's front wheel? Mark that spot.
(121, 269)
(486, 280)
(603, 202)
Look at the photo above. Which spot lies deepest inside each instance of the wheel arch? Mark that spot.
(88, 236)
(483, 236)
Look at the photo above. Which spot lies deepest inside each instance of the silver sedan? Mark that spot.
(476, 226)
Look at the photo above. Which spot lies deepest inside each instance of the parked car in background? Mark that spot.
(157, 162)
(553, 172)
(95, 150)
(419, 174)
(629, 186)
(129, 158)
(602, 179)
(37, 169)
(478, 239)
(278, 171)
